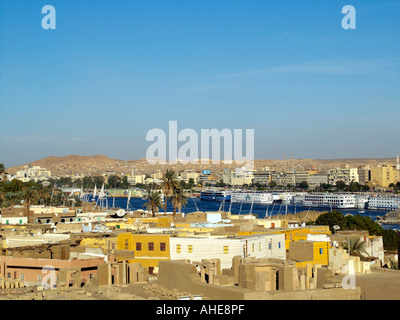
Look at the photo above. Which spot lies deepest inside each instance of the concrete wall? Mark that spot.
(33, 270)
(184, 277)
(339, 259)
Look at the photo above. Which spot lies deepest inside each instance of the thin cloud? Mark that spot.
(330, 66)
(334, 66)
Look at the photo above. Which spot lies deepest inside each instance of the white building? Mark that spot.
(225, 248)
(14, 220)
(347, 175)
(187, 175)
(315, 180)
(35, 173)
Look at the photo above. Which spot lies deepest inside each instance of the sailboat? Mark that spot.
(101, 198)
(94, 193)
(251, 208)
(129, 199)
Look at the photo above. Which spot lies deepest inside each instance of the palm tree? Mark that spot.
(355, 247)
(178, 199)
(154, 202)
(169, 183)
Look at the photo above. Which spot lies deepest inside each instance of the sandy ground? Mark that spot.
(379, 285)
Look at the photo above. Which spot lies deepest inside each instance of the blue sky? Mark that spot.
(113, 70)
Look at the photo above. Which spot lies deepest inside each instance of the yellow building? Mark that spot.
(383, 175)
(300, 233)
(313, 252)
(107, 244)
(134, 223)
(148, 249)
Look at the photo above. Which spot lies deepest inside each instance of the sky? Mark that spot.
(113, 70)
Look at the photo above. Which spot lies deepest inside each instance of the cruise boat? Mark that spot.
(298, 198)
(361, 202)
(332, 201)
(384, 202)
(252, 197)
(215, 195)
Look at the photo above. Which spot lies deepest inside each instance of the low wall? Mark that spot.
(184, 277)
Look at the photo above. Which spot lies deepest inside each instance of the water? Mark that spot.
(237, 208)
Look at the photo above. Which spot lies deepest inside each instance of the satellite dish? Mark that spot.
(336, 227)
(120, 213)
(45, 183)
(138, 223)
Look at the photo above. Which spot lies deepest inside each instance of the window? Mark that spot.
(259, 246)
(39, 278)
(178, 248)
(270, 246)
(279, 245)
(151, 246)
(226, 249)
(321, 251)
(190, 248)
(151, 269)
(138, 246)
(252, 247)
(162, 246)
(21, 276)
(126, 244)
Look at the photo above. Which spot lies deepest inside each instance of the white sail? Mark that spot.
(101, 193)
(129, 198)
(94, 191)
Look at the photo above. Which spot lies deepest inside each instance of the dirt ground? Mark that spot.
(379, 285)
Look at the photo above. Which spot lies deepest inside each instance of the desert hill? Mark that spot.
(101, 164)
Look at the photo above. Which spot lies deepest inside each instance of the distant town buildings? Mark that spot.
(377, 176)
(34, 173)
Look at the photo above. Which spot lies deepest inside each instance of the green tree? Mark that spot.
(272, 185)
(191, 183)
(113, 181)
(168, 184)
(153, 203)
(325, 186)
(365, 188)
(340, 185)
(355, 247)
(331, 219)
(98, 181)
(303, 185)
(178, 200)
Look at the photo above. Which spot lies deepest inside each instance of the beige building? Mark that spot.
(346, 174)
(35, 173)
(136, 178)
(283, 179)
(315, 180)
(364, 174)
(302, 176)
(187, 175)
(383, 175)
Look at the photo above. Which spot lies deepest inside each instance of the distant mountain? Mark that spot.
(101, 164)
